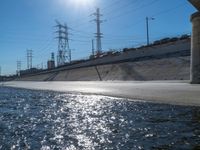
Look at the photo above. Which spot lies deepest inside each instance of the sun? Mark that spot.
(77, 4)
(82, 2)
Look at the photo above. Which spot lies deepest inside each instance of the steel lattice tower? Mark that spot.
(64, 52)
(98, 34)
(29, 58)
(18, 67)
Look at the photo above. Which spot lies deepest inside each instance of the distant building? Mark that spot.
(51, 64)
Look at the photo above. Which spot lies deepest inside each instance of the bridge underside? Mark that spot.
(195, 3)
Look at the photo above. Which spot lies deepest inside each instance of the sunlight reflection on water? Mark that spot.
(52, 120)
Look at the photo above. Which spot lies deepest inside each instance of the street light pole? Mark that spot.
(147, 27)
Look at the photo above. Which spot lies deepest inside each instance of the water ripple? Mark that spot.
(52, 120)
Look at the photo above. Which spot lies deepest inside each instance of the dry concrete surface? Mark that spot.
(169, 92)
(177, 68)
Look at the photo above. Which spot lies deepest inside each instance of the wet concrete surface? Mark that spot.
(170, 92)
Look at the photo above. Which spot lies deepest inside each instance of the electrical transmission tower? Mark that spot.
(18, 67)
(98, 34)
(29, 58)
(64, 52)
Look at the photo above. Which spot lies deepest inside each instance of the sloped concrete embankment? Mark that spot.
(176, 68)
(169, 61)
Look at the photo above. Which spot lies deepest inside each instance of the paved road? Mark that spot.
(172, 92)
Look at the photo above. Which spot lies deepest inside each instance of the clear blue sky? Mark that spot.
(29, 24)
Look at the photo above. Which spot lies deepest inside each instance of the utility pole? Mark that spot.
(29, 58)
(64, 52)
(93, 48)
(98, 34)
(147, 27)
(18, 67)
(0, 70)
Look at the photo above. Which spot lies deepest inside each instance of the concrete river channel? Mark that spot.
(47, 120)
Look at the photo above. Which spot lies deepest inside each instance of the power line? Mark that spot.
(169, 10)
(112, 4)
(116, 2)
(110, 39)
(122, 7)
(77, 21)
(105, 8)
(131, 10)
(110, 10)
(154, 15)
(46, 48)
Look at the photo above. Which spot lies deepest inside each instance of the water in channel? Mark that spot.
(49, 120)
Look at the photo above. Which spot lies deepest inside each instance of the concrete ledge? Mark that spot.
(168, 92)
(195, 15)
(195, 3)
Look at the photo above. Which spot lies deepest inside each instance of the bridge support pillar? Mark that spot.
(195, 49)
